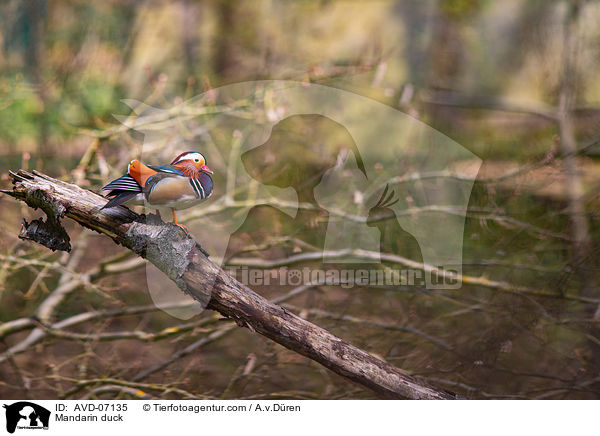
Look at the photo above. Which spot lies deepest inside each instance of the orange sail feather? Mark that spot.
(140, 172)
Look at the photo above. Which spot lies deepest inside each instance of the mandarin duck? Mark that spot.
(182, 184)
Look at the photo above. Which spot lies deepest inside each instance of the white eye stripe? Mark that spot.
(196, 157)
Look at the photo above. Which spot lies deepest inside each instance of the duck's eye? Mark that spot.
(196, 160)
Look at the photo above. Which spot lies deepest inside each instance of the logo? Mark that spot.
(307, 174)
(26, 415)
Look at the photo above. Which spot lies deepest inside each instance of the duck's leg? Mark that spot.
(180, 225)
(158, 213)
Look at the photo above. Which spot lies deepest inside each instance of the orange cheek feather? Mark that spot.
(188, 168)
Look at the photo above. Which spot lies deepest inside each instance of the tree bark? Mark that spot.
(182, 259)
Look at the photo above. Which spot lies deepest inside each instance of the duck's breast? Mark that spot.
(172, 191)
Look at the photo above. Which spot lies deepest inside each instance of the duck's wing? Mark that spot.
(166, 169)
(123, 183)
(130, 185)
(122, 190)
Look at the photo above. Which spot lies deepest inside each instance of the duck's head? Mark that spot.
(191, 160)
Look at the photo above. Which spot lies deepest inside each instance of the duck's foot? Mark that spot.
(180, 225)
(183, 227)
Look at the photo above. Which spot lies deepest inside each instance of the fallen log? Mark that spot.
(183, 260)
